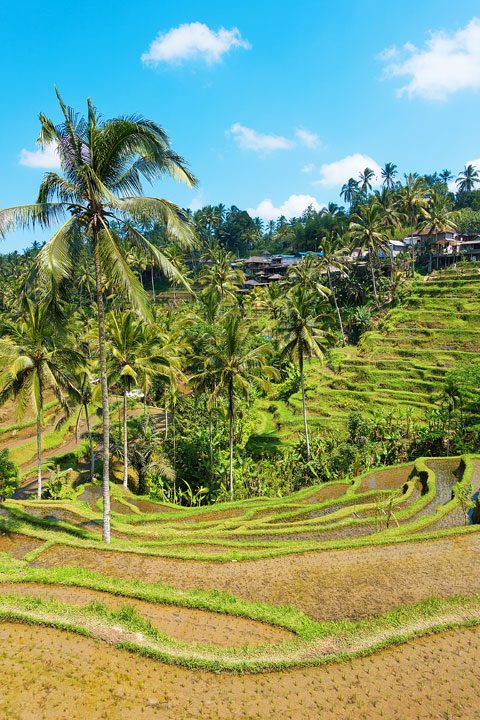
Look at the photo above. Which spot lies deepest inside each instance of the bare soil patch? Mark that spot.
(186, 624)
(353, 583)
(50, 675)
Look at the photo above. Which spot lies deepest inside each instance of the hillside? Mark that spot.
(398, 365)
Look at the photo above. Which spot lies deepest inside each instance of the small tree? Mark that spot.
(9, 476)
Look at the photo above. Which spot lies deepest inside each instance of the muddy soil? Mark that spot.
(386, 479)
(50, 675)
(17, 545)
(185, 624)
(355, 582)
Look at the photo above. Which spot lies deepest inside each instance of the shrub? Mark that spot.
(9, 475)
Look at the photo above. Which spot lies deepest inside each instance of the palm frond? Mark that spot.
(116, 268)
(175, 221)
(24, 216)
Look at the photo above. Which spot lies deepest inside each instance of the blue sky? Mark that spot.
(272, 103)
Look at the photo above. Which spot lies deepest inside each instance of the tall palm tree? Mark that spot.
(438, 218)
(34, 359)
(366, 178)
(393, 214)
(308, 274)
(302, 337)
(349, 190)
(368, 231)
(332, 246)
(219, 277)
(389, 173)
(445, 176)
(86, 393)
(233, 364)
(413, 199)
(467, 179)
(103, 164)
(124, 338)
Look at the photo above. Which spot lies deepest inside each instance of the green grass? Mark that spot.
(398, 365)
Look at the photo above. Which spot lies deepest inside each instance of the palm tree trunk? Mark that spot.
(145, 410)
(336, 306)
(39, 455)
(104, 386)
(125, 441)
(166, 419)
(304, 403)
(153, 284)
(231, 411)
(210, 442)
(90, 442)
(372, 270)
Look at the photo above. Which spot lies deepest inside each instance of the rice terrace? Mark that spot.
(240, 442)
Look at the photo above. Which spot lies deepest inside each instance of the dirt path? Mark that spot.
(330, 584)
(50, 675)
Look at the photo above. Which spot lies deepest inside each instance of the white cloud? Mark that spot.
(292, 207)
(46, 157)
(308, 168)
(193, 41)
(448, 63)
(250, 139)
(197, 202)
(307, 137)
(475, 163)
(337, 173)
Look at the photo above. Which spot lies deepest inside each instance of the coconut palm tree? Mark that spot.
(393, 215)
(467, 179)
(232, 366)
(445, 176)
(103, 164)
(35, 358)
(308, 274)
(389, 173)
(413, 199)
(438, 218)
(86, 392)
(349, 190)
(219, 277)
(366, 178)
(368, 231)
(332, 246)
(302, 337)
(124, 338)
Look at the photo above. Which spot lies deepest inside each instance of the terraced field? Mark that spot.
(397, 366)
(304, 591)
(351, 599)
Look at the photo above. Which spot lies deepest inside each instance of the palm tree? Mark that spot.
(103, 164)
(307, 274)
(390, 203)
(445, 176)
(124, 338)
(34, 358)
(437, 218)
(366, 178)
(302, 337)
(468, 178)
(389, 173)
(219, 277)
(332, 246)
(349, 190)
(233, 364)
(368, 230)
(86, 392)
(413, 199)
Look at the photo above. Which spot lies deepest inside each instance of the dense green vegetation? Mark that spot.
(352, 359)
